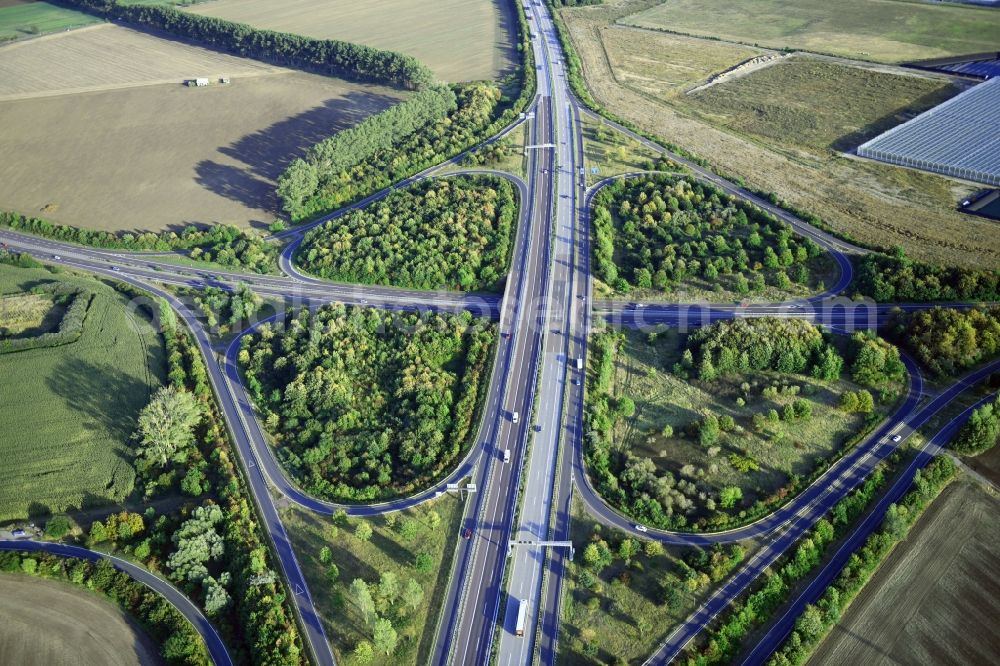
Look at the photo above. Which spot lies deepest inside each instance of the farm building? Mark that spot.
(959, 138)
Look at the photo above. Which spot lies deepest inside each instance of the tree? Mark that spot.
(729, 496)
(709, 430)
(333, 573)
(364, 653)
(388, 587)
(628, 549)
(362, 596)
(413, 594)
(325, 554)
(810, 624)
(385, 636)
(297, 184)
(363, 531)
(197, 542)
(166, 424)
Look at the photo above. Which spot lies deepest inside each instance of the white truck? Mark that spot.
(579, 363)
(513, 417)
(522, 615)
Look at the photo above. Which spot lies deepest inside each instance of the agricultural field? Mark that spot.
(625, 610)
(934, 600)
(417, 544)
(818, 105)
(24, 18)
(891, 31)
(460, 40)
(70, 411)
(874, 203)
(47, 623)
(159, 156)
(28, 314)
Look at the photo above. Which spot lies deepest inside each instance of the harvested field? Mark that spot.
(108, 57)
(936, 598)
(881, 30)
(57, 624)
(987, 464)
(874, 203)
(665, 65)
(461, 40)
(19, 18)
(68, 412)
(162, 156)
(28, 314)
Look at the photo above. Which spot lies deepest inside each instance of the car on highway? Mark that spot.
(641, 528)
(115, 269)
(57, 257)
(897, 438)
(467, 533)
(576, 382)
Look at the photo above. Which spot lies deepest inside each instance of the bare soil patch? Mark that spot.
(55, 624)
(936, 598)
(461, 40)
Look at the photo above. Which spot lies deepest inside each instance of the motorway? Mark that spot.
(544, 319)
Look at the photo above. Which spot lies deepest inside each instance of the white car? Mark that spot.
(56, 257)
(897, 438)
(641, 528)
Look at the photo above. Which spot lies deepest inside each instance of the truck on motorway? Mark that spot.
(506, 455)
(522, 615)
(579, 363)
(513, 417)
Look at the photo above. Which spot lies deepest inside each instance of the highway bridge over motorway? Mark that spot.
(545, 315)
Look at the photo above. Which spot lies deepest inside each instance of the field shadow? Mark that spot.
(268, 152)
(264, 154)
(96, 393)
(848, 142)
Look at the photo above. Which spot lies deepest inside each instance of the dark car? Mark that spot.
(467, 533)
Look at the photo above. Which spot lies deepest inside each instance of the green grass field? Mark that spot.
(392, 548)
(622, 614)
(781, 450)
(68, 412)
(880, 30)
(38, 18)
(816, 104)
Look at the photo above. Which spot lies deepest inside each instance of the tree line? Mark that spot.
(450, 233)
(214, 548)
(981, 432)
(897, 278)
(723, 640)
(366, 404)
(327, 56)
(178, 642)
(817, 620)
(70, 327)
(219, 243)
(424, 130)
(661, 231)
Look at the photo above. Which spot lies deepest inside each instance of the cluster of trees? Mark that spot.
(947, 340)
(178, 641)
(366, 404)
(70, 327)
(722, 641)
(327, 56)
(378, 603)
(221, 243)
(226, 311)
(897, 278)
(981, 432)
(742, 345)
(658, 232)
(247, 600)
(817, 620)
(876, 363)
(19, 259)
(424, 130)
(490, 154)
(860, 401)
(452, 233)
